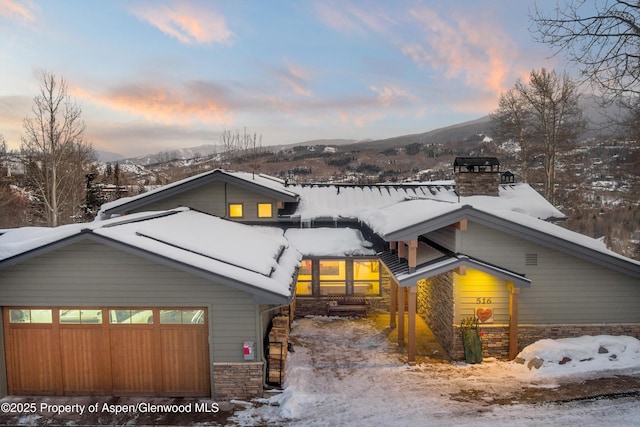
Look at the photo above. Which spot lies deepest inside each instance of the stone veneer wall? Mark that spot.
(237, 380)
(477, 183)
(435, 307)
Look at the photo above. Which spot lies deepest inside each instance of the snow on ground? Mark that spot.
(346, 372)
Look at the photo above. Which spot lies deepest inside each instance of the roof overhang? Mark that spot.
(405, 278)
(496, 222)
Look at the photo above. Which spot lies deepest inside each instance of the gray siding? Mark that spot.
(92, 274)
(214, 198)
(207, 198)
(444, 237)
(564, 289)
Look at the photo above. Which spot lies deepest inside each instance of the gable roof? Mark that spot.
(258, 183)
(405, 221)
(257, 260)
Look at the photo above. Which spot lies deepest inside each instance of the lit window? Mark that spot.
(366, 277)
(303, 286)
(235, 210)
(332, 277)
(265, 210)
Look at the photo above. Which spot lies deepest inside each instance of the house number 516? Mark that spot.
(483, 300)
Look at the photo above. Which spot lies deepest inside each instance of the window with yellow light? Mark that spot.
(235, 210)
(366, 276)
(265, 210)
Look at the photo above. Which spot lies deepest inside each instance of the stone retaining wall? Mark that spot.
(495, 338)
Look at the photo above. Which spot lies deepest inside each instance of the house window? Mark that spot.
(191, 317)
(130, 316)
(304, 285)
(30, 316)
(265, 210)
(366, 277)
(235, 210)
(77, 316)
(322, 277)
(333, 277)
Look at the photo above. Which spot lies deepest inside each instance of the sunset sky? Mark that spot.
(159, 75)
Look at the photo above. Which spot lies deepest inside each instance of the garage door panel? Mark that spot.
(167, 357)
(32, 365)
(132, 360)
(185, 364)
(82, 360)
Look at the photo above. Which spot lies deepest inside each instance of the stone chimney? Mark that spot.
(476, 176)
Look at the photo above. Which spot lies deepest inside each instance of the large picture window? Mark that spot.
(333, 277)
(323, 277)
(366, 277)
(305, 283)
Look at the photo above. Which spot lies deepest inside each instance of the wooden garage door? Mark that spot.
(107, 351)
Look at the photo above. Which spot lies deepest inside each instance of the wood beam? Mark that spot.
(411, 350)
(401, 312)
(461, 225)
(462, 270)
(514, 303)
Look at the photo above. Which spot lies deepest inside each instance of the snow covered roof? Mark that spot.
(255, 259)
(329, 241)
(338, 201)
(259, 183)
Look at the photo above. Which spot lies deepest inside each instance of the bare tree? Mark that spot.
(556, 118)
(56, 153)
(3, 154)
(514, 121)
(602, 37)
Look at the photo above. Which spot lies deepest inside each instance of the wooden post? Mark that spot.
(411, 351)
(413, 255)
(401, 315)
(402, 250)
(513, 321)
(393, 245)
(393, 304)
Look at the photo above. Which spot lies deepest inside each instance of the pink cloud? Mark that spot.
(349, 18)
(187, 23)
(296, 77)
(476, 51)
(389, 95)
(20, 10)
(161, 104)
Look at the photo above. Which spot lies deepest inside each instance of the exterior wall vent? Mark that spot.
(531, 259)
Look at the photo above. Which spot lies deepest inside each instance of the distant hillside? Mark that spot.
(454, 133)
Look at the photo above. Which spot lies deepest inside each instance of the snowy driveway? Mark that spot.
(346, 373)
